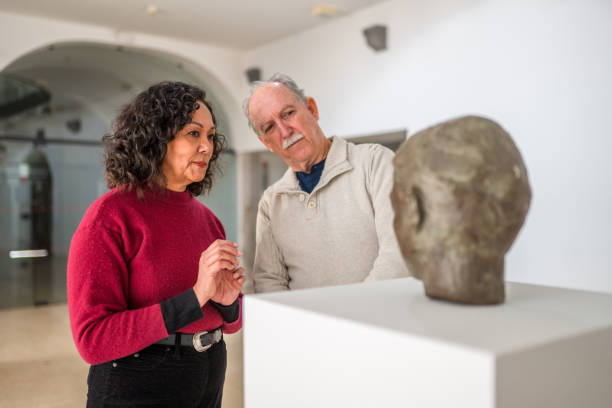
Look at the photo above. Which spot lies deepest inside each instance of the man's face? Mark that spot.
(288, 127)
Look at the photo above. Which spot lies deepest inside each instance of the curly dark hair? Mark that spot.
(137, 145)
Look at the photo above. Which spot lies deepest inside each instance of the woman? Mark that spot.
(152, 282)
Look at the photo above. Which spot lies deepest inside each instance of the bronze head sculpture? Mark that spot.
(460, 197)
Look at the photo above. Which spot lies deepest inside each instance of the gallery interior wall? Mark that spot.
(540, 68)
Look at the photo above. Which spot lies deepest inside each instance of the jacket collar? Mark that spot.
(336, 163)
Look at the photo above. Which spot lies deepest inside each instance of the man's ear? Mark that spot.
(265, 142)
(312, 107)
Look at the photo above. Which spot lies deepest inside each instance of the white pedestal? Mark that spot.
(385, 344)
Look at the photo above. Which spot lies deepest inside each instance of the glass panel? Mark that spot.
(26, 278)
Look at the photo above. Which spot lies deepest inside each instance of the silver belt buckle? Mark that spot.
(197, 343)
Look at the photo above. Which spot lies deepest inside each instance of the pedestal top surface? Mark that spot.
(532, 315)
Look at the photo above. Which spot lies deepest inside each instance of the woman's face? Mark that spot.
(190, 151)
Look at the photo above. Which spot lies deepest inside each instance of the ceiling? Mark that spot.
(238, 24)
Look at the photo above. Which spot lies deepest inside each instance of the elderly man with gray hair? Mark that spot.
(328, 220)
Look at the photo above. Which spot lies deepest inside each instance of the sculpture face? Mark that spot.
(460, 197)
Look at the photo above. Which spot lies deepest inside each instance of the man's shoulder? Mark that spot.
(270, 191)
(365, 153)
(287, 182)
(368, 148)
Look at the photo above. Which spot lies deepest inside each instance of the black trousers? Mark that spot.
(160, 376)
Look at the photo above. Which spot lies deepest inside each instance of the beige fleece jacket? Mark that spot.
(340, 233)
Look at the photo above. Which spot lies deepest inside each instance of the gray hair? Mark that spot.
(277, 78)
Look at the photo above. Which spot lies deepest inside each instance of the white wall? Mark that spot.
(541, 68)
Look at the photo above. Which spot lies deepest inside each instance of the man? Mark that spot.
(328, 220)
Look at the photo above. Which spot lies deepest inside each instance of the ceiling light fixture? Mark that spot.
(323, 10)
(152, 9)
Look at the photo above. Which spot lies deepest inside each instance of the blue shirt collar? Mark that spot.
(308, 181)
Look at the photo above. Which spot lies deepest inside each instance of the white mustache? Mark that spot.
(290, 141)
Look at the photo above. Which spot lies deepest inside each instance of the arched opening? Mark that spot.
(87, 84)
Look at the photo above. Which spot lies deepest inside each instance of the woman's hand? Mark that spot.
(229, 285)
(220, 256)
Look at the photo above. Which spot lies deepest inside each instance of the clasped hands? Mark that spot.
(219, 277)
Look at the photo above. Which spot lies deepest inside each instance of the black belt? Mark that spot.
(201, 341)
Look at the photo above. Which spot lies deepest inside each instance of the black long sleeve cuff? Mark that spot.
(181, 310)
(229, 313)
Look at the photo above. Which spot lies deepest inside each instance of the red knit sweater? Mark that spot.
(126, 257)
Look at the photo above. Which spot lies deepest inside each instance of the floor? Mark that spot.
(40, 367)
